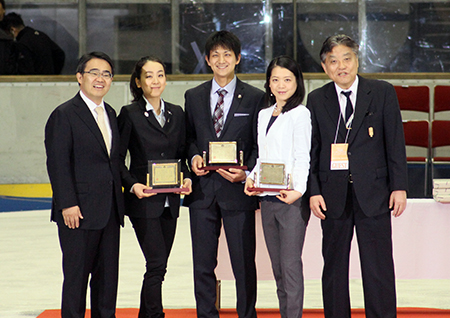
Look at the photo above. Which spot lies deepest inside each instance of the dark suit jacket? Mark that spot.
(240, 126)
(39, 54)
(9, 54)
(377, 164)
(80, 170)
(145, 139)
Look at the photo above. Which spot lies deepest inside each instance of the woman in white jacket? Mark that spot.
(284, 136)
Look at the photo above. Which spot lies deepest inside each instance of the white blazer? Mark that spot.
(288, 141)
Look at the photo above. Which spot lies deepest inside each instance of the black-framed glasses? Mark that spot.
(97, 74)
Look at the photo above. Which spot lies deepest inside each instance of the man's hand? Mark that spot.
(197, 163)
(138, 190)
(397, 202)
(233, 175)
(72, 217)
(317, 205)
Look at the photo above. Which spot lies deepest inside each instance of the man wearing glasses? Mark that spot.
(81, 140)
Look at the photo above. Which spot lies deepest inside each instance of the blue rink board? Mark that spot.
(11, 204)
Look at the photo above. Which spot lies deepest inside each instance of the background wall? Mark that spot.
(26, 106)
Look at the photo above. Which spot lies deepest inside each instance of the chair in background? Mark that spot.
(441, 98)
(414, 102)
(417, 135)
(414, 98)
(440, 137)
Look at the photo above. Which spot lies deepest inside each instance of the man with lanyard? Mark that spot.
(358, 175)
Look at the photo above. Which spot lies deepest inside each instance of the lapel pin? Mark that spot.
(371, 132)
(239, 96)
(145, 114)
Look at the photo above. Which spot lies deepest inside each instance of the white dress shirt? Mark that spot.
(160, 118)
(92, 106)
(227, 100)
(343, 100)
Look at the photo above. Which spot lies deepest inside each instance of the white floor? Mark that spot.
(30, 273)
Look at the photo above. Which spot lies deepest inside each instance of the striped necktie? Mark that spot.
(218, 112)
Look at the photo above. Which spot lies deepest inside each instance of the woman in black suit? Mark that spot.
(151, 129)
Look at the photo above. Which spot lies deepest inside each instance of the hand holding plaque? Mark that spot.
(164, 176)
(270, 177)
(223, 155)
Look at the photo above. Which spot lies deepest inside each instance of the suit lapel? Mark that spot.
(83, 111)
(363, 100)
(237, 98)
(114, 128)
(150, 117)
(205, 103)
(168, 115)
(334, 111)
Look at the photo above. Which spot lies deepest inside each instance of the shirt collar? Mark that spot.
(92, 106)
(149, 107)
(230, 87)
(353, 88)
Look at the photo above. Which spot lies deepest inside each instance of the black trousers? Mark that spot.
(239, 229)
(155, 236)
(374, 236)
(94, 253)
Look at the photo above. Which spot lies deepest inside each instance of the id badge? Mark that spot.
(339, 158)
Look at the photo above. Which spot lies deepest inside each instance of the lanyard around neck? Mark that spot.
(349, 127)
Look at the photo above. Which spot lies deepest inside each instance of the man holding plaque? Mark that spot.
(82, 144)
(222, 113)
(358, 175)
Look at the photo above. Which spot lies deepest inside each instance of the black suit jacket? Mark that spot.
(377, 164)
(145, 139)
(80, 170)
(39, 54)
(240, 126)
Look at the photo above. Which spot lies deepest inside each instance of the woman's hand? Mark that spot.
(187, 183)
(289, 196)
(138, 190)
(249, 183)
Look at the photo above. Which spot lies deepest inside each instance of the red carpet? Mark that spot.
(265, 313)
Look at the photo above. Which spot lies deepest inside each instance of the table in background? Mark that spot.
(421, 239)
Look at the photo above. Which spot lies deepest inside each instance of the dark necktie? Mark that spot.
(348, 108)
(218, 112)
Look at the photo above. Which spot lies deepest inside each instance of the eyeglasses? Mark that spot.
(98, 74)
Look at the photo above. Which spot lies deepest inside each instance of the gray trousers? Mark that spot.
(284, 232)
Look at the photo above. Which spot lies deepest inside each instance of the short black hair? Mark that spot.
(292, 65)
(225, 39)
(13, 20)
(137, 91)
(335, 40)
(93, 55)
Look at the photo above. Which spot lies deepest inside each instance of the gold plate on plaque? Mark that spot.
(223, 152)
(272, 173)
